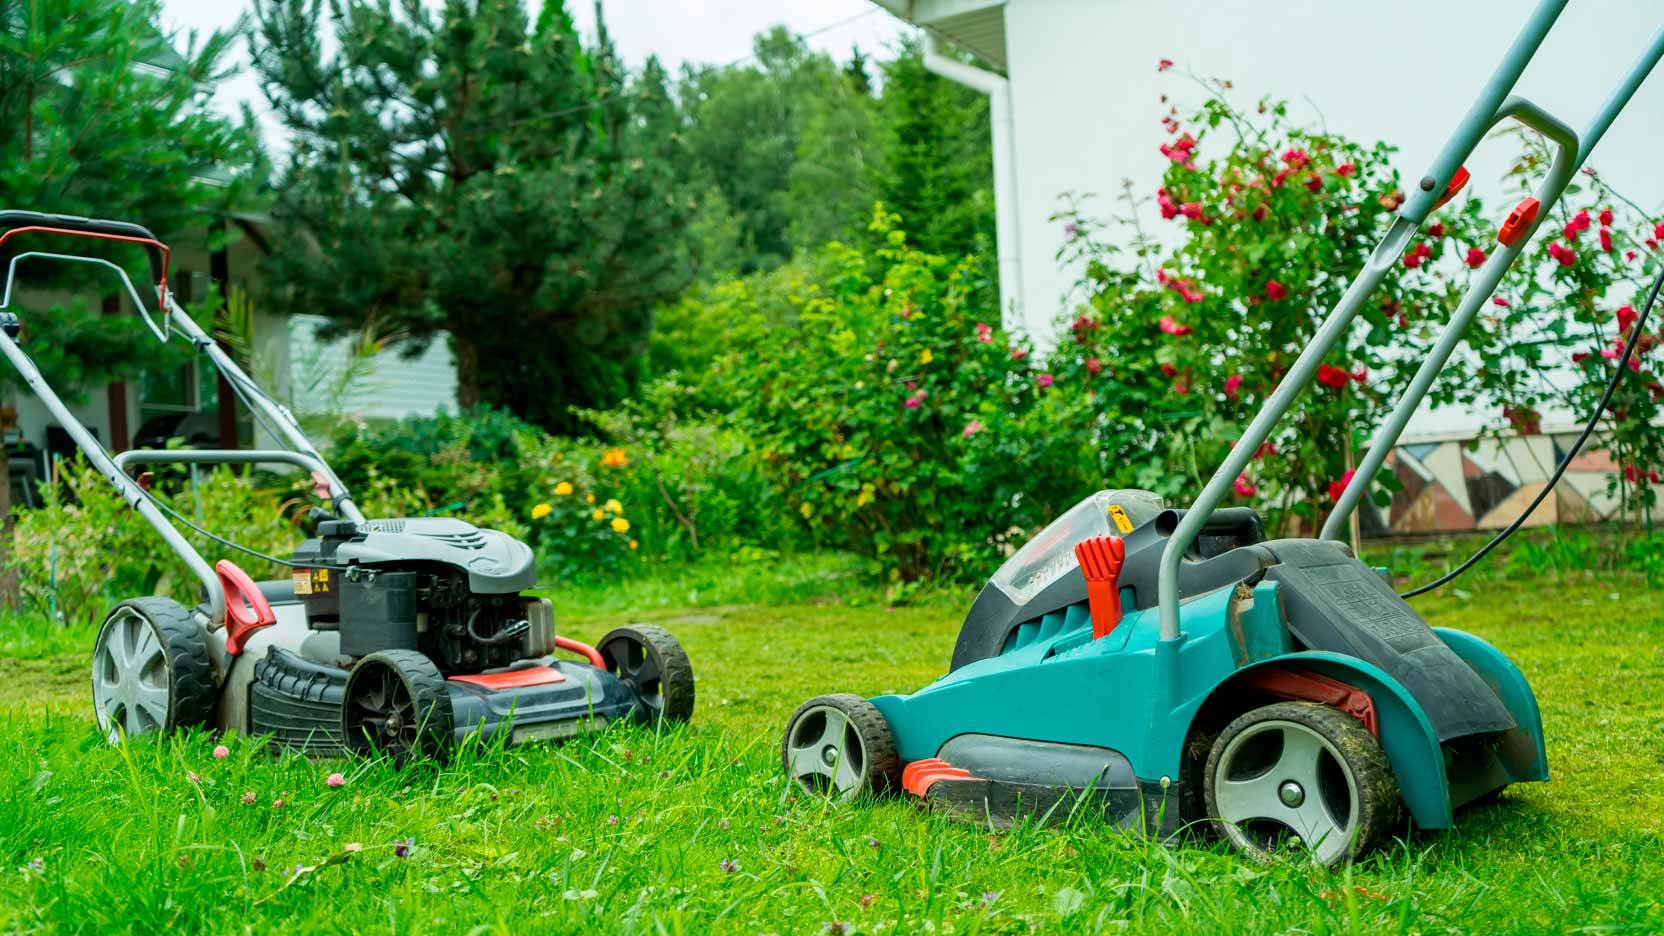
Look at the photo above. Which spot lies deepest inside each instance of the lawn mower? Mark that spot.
(391, 636)
(1169, 668)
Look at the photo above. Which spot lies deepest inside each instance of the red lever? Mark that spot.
(1458, 182)
(1519, 221)
(1100, 562)
(246, 609)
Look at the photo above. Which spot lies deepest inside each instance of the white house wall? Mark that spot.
(394, 386)
(1086, 91)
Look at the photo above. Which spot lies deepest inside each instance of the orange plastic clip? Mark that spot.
(1100, 562)
(1519, 221)
(1458, 182)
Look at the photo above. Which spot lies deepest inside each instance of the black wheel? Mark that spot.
(151, 670)
(655, 667)
(1301, 769)
(397, 704)
(840, 746)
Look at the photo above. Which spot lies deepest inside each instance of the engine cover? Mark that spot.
(496, 563)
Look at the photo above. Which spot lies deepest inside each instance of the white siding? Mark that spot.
(394, 386)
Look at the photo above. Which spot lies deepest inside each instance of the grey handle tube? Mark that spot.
(131, 493)
(1560, 175)
(217, 457)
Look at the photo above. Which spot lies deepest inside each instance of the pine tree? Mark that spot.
(465, 171)
(938, 166)
(101, 116)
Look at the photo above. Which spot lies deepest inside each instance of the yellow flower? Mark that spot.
(614, 506)
(806, 509)
(563, 489)
(614, 458)
(620, 525)
(634, 544)
(589, 498)
(925, 357)
(541, 511)
(599, 515)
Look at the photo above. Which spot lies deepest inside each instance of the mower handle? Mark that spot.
(13, 220)
(324, 482)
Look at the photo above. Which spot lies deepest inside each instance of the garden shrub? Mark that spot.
(897, 420)
(83, 548)
(1274, 221)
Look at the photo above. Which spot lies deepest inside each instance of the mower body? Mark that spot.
(439, 587)
(1040, 717)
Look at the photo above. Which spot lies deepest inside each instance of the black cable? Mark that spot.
(289, 563)
(1559, 470)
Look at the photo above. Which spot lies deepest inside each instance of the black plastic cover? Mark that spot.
(1334, 602)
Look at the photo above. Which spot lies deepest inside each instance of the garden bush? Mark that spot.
(896, 419)
(83, 548)
(1185, 343)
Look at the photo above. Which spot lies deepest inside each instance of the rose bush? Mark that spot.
(1183, 343)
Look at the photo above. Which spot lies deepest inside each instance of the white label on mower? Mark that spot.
(303, 582)
(554, 731)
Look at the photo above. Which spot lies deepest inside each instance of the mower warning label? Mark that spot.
(311, 582)
(1119, 515)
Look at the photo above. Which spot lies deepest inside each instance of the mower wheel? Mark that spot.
(396, 704)
(840, 746)
(151, 670)
(655, 667)
(1306, 769)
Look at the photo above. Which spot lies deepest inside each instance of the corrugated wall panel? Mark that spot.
(393, 386)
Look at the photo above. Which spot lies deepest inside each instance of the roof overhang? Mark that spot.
(977, 26)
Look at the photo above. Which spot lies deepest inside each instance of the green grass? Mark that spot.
(628, 831)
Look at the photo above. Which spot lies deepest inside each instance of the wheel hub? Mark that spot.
(829, 755)
(1291, 793)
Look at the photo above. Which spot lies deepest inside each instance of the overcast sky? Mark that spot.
(677, 31)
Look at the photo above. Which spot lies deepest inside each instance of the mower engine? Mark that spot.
(433, 584)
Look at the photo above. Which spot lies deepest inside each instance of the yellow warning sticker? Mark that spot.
(1122, 521)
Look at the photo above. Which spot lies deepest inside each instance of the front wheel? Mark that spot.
(1301, 769)
(840, 746)
(150, 670)
(654, 666)
(397, 704)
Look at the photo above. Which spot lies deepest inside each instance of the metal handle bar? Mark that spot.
(320, 472)
(160, 331)
(1480, 118)
(1559, 176)
(12, 219)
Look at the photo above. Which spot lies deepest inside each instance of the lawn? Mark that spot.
(694, 830)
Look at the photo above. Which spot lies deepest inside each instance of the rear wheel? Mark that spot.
(397, 704)
(151, 670)
(1303, 770)
(654, 666)
(840, 746)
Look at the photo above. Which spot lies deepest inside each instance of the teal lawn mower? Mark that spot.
(1170, 668)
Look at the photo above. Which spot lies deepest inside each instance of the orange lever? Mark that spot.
(1100, 562)
(246, 609)
(1457, 183)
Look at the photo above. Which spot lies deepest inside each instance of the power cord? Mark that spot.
(1559, 470)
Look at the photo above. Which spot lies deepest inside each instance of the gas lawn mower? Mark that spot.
(393, 636)
(1165, 667)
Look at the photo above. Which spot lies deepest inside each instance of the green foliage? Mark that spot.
(83, 548)
(937, 170)
(1183, 345)
(786, 140)
(896, 421)
(468, 172)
